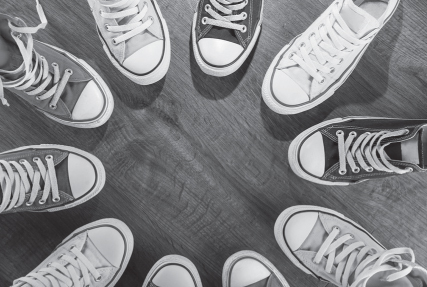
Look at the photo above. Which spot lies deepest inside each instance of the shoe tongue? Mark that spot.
(357, 19)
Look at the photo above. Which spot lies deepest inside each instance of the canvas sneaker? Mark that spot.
(327, 245)
(313, 65)
(173, 271)
(250, 269)
(224, 33)
(135, 37)
(48, 178)
(53, 81)
(350, 150)
(94, 255)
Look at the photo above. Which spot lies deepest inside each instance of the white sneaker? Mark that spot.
(94, 255)
(135, 37)
(316, 63)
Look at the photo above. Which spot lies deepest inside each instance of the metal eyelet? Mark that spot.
(245, 15)
(322, 81)
(49, 157)
(341, 60)
(339, 132)
(332, 70)
(352, 236)
(38, 98)
(100, 12)
(342, 171)
(291, 55)
(98, 279)
(204, 20)
(107, 27)
(353, 133)
(56, 199)
(60, 256)
(336, 227)
(36, 159)
(54, 64)
(302, 45)
(321, 25)
(356, 170)
(369, 169)
(41, 201)
(151, 18)
(71, 247)
(22, 161)
(114, 41)
(48, 265)
(410, 169)
(244, 29)
(42, 57)
(312, 35)
(207, 7)
(53, 107)
(29, 203)
(69, 71)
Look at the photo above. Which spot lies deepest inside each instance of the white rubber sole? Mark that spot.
(100, 170)
(159, 72)
(249, 254)
(226, 71)
(289, 212)
(109, 101)
(174, 259)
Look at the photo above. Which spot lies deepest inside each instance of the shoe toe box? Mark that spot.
(109, 242)
(248, 271)
(219, 52)
(173, 276)
(90, 103)
(82, 175)
(298, 228)
(145, 59)
(312, 155)
(287, 91)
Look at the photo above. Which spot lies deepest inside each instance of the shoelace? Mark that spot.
(330, 44)
(227, 7)
(36, 76)
(360, 259)
(365, 147)
(25, 178)
(66, 273)
(135, 26)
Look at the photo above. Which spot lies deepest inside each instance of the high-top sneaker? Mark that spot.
(173, 271)
(135, 37)
(224, 33)
(333, 248)
(316, 63)
(48, 178)
(350, 150)
(250, 269)
(94, 255)
(54, 82)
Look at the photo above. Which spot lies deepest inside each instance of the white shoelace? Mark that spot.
(16, 184)
(227, 7)
(357, 258)
(365, 146)
(135, 26)
(332, 42)
(67, 273)
(36, 76)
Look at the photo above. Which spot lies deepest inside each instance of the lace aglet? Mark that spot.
(5, 102)
(42, 15)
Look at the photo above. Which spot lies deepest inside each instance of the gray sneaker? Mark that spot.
(335, 249)
(95, 255)
(250, 269)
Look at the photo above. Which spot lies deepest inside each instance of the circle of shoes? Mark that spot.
(37, 77)
(127, 8)
(360, 260)
(18, 178)
(227, 7)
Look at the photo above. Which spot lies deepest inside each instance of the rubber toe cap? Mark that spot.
(312, 155)
(109, 242)
(173, 276)
(145, 59)
(298, 228)
(90, 103)
(82, 175)
(287, 91)
(219, 52)
(248, 271)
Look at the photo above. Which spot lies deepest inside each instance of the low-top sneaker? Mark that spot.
(48, 178)
(350, 150)
(250, 269)
(53, 81)
(224, 33)
(94, 255)
(135, 37)
(316, 63)
(327, 245)
(173, 271)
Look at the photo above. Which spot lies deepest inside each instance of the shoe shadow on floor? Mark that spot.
(365, 85)
(217, 88)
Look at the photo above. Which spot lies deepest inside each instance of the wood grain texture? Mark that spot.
(197, 165)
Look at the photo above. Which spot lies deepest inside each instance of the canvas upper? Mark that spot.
(368, 147)
(335, 249)
(314, 64)
(221, 39)
(52, 80)
(94, 255)
(47, 178)
(132, 33)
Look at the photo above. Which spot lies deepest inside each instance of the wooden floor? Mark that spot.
(197, 165)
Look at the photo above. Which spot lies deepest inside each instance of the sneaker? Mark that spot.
(95, 255)
(135, 37)
(350, 150)
(250, 269)
(53, 81)
(48, 178)
(173, 271)
(327, 245)
(316, 63)
(224, 33)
